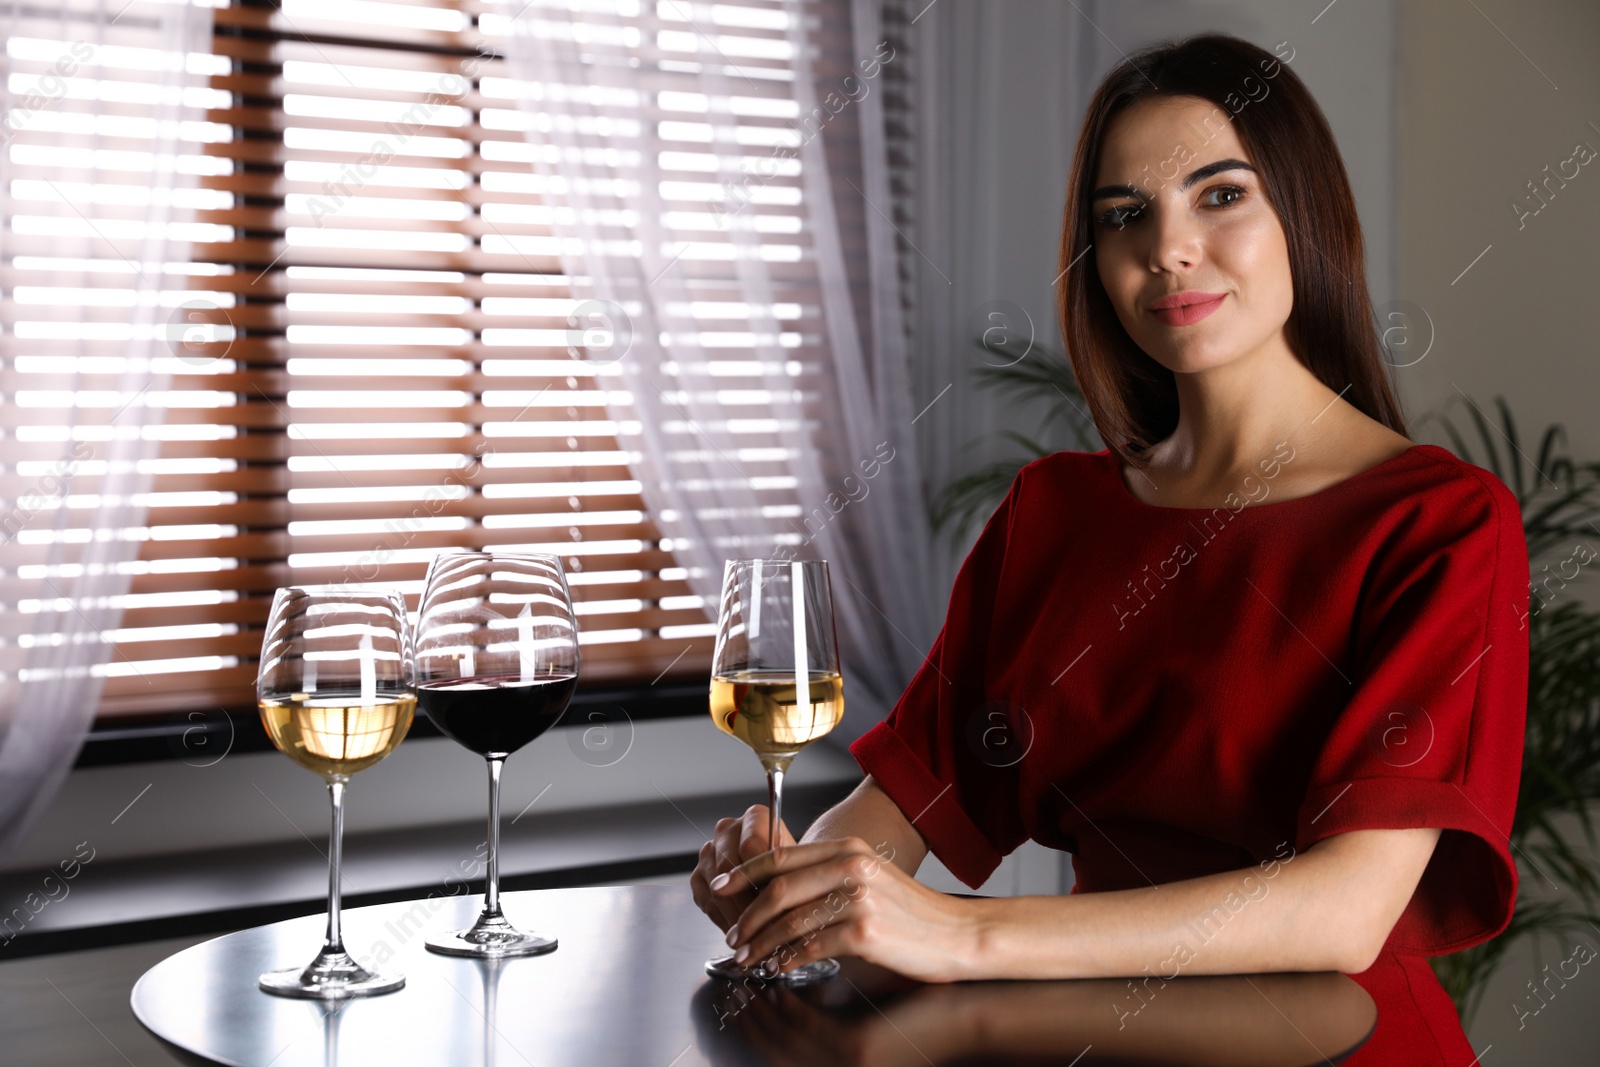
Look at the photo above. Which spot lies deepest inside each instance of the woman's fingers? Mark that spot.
(753, 832)
(761, 869)
(804, 934)
(724, 910)
(699, 887)
(719, 856)
(732, 844)
(827, 887)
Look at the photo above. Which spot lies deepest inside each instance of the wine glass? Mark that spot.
(336, 695)
(776, 686)
(497, 663)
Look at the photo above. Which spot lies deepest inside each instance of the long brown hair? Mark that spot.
(1332, 329)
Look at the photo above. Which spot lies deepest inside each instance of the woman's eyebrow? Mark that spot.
(1199, 174)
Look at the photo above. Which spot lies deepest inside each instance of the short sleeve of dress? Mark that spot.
(923, 754)
(1432, 735)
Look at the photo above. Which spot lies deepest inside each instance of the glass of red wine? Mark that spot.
(497, 663)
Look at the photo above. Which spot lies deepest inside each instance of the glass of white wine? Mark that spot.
(337, 694)
(776, 686)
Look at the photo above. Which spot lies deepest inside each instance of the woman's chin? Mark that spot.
(1190, 355)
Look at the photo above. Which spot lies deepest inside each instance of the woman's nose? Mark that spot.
(1175, 242)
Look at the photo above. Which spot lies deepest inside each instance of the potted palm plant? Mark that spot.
(1553, 835)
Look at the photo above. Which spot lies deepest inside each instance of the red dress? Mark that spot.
(1167, 693)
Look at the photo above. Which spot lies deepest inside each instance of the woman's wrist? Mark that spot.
(978, 938)
(1020, 937)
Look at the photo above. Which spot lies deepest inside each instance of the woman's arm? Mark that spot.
(1330, 908)
(868, 813)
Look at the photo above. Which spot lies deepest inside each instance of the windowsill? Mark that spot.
(198, 738)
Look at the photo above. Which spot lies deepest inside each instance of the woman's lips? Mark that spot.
(1189, 313)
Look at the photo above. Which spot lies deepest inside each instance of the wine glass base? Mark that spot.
(495, 945)
(805, 974)
(323, 982)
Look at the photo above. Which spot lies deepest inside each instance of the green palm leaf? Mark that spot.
(1029, 374)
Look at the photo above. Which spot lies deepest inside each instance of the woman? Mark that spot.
(1261, 669)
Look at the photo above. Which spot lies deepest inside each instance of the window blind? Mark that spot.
(374, 353)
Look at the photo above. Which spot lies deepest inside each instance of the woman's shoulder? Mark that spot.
(1436, 513)
(1065, 469)
(1450, 489)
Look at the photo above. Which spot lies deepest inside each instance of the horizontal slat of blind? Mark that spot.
(258, 184)
(233, 687)
(244, 611)
(238, 645)
(258, 578)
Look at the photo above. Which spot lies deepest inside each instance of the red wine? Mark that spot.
(494, 715)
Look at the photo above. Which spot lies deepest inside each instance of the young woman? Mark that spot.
(1261, 668)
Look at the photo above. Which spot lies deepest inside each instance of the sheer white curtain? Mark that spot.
(718, 187)
(1001, 91)
(93, 89)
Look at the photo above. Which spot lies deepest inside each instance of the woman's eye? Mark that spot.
(1118, 216)
(1227, 190)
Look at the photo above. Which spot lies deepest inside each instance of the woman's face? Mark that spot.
(1154, 236)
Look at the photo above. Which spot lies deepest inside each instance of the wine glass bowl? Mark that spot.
(497, 664)
(776, 686)
(773, 713)
(336, 692)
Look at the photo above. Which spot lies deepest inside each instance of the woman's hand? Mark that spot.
(735, 841)
(842, 898)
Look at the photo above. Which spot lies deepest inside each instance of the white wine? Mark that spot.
(765, 709)
(335, 733)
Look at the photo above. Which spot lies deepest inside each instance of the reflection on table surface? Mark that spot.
(627, 986)
(871, 1016)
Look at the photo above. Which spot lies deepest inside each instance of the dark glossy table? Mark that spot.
(626, 987)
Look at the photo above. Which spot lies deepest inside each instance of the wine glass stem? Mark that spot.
(774, 802)
(491, 896)
(335, 938)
